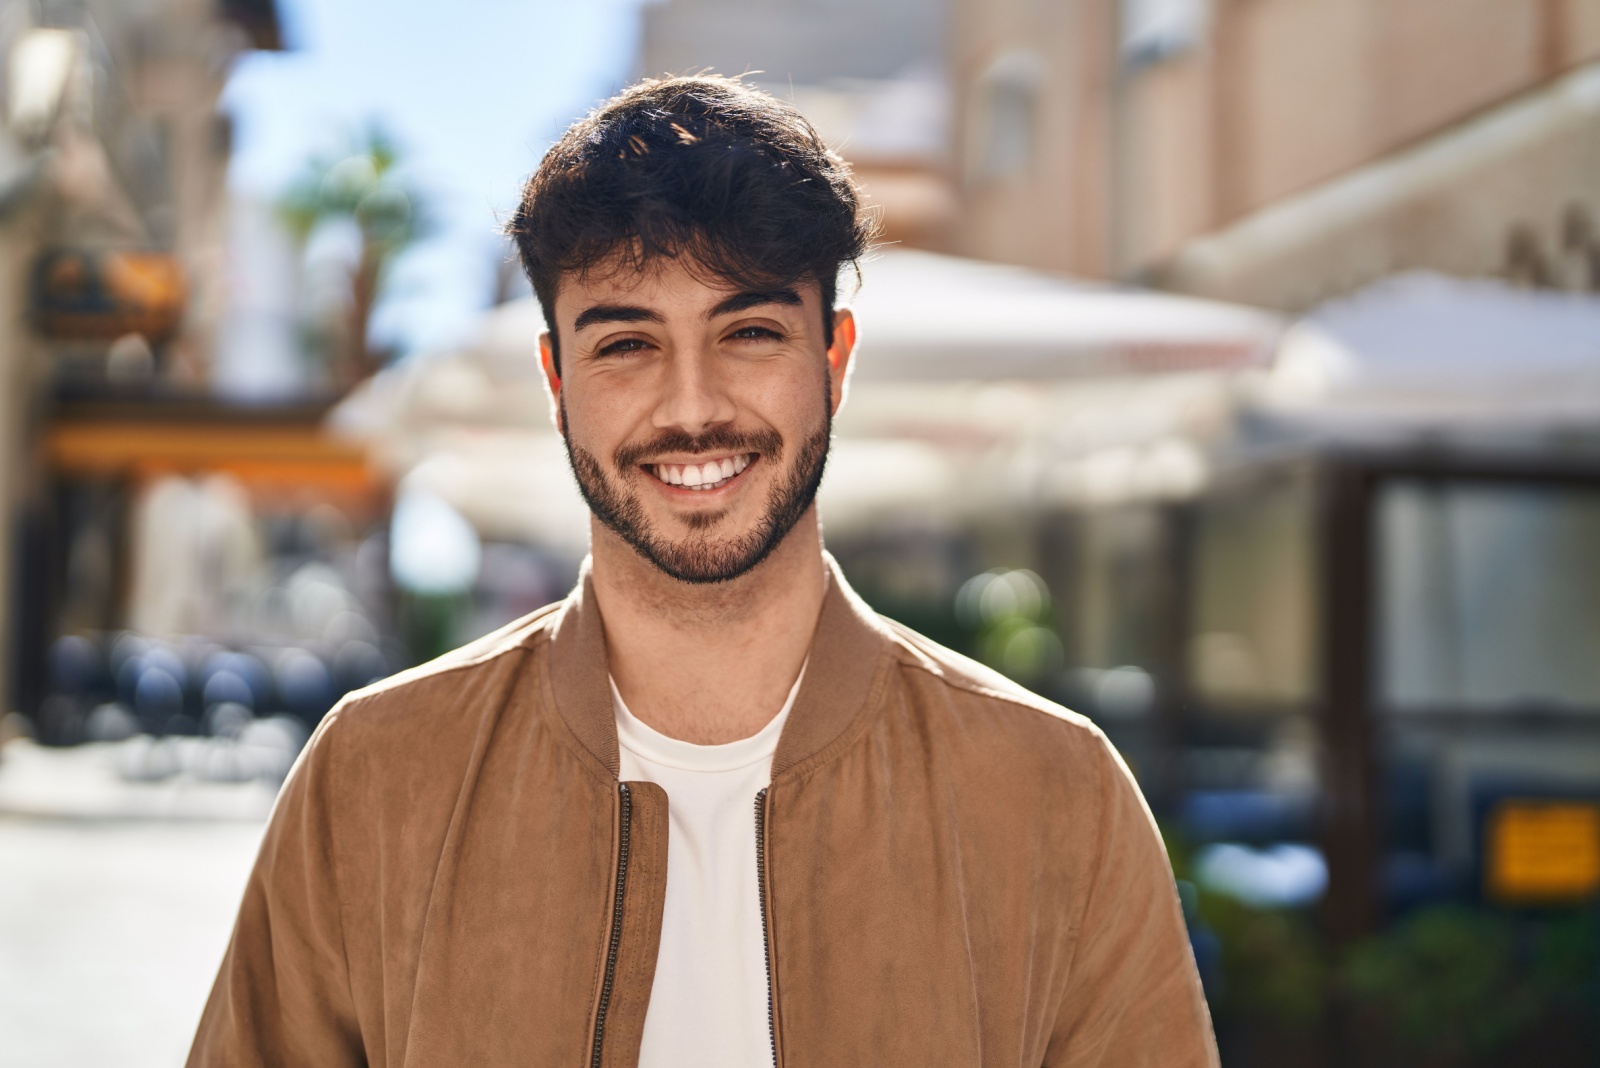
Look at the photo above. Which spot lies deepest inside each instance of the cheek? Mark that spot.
(791, 402)
(598, 419)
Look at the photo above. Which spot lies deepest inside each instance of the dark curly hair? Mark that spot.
(704, 169)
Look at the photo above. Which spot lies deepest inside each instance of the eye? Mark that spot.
(755, 333)
(623, 346)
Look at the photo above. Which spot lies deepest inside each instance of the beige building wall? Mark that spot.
(1173, 157)
(1509, 193)
(1311, 88)
(1277, 97)
(1046, 67)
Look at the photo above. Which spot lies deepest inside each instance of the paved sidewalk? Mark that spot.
(116, 900)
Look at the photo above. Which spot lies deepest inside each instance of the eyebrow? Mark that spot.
(754, 299)
(615, 313)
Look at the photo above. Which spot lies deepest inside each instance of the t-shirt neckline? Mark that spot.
(649, 744)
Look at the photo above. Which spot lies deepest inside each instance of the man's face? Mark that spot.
(696, 414)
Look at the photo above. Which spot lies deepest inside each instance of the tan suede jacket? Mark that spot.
(954, 872)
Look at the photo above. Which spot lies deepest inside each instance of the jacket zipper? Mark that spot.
(766, 934)
(625, 828)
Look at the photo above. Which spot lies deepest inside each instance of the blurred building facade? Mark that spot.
(1278, 152)
(113, 161)
(870, 75)
(783, 42)
(182, 556)
(115, 107)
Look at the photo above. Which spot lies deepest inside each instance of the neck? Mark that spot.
(709, 663)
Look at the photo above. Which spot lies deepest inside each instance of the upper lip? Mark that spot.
(703, 458)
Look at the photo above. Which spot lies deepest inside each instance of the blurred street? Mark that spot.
(1229, 373)
(115, 905)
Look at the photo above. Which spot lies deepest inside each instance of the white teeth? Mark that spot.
(709, 475)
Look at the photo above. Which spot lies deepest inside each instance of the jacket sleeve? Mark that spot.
(1133, 996)
(282, 996)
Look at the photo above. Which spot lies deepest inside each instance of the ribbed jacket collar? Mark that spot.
(849, 652)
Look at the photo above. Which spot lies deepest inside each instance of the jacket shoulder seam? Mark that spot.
(1025, 700)
(537, 635)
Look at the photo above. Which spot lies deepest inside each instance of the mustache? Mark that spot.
(767, 444)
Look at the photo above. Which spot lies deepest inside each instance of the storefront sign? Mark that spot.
(103, 294)
(1542, 851)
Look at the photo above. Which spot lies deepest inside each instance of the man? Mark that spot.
(710, 810)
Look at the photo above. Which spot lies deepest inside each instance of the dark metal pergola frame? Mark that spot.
(1345, 484)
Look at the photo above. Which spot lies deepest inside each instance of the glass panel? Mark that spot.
(1255, 621)
(1113, 607)
(1489, 596)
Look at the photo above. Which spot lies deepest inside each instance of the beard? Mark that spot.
(701, 557)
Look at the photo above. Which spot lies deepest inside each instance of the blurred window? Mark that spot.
(1154, 30)
(1007, 102)
(1254, 636)
(1489, 596)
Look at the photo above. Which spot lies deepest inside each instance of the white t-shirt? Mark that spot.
(708, 1007)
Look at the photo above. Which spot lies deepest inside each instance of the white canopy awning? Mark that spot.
(926, 317)
(1423, 354)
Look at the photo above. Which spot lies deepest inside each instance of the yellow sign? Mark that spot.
(1542, 851)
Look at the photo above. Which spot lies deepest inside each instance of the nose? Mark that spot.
(693, 398)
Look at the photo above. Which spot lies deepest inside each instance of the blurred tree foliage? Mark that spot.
(1462, 985)
(1008, 614)
(433, 623)
(1446, 980)
(1273, 962)
(358, 186)
(1447, 984)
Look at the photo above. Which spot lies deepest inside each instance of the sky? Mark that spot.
(473, 91)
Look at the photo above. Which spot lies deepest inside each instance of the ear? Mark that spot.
(552, 380)
(839, 355)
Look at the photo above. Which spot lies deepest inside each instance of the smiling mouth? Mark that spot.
(707, 475)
